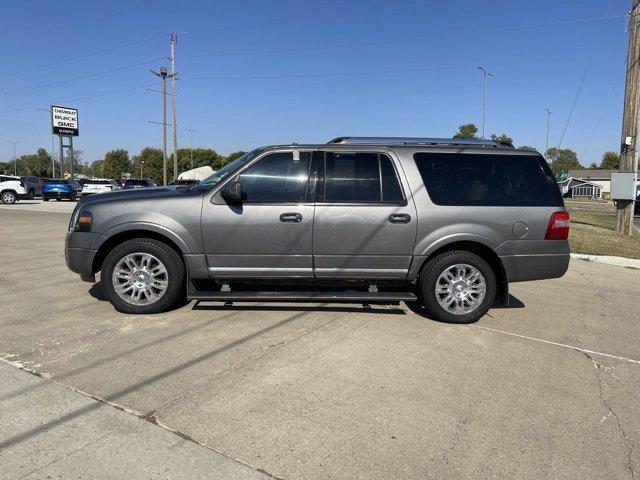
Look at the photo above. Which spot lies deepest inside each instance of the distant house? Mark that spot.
(599, 177)
(577, 188)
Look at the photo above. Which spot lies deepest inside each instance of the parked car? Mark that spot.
(99, 185)
(33, 185)
(447, 222)
(12, 189)
(138, 183)
(58, 189)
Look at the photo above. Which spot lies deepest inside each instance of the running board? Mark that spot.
(295, 296)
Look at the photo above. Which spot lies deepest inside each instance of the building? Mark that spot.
(599, 177)
(576, 188)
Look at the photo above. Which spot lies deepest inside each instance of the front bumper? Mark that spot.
(80, 250)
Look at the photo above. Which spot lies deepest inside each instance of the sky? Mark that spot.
(255, 73)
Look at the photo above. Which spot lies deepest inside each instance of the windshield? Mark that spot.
(227, 170)
(98, 182)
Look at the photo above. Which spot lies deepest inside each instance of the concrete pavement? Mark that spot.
(546, 389)
(49, 431)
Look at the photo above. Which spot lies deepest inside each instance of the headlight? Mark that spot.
(81, 221)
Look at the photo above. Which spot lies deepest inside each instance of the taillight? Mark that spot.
(558, 228)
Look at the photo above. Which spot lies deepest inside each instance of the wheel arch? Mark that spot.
(113, 241)
(484, 251)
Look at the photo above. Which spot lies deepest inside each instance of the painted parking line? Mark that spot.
(557, 344)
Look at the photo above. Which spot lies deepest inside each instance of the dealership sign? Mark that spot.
(64, 121)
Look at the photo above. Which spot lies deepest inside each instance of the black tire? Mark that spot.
(8, 198)
(167, 255)
(45, 199)
(432, 271)
(32, 194)
(72, 198)
(58, 199)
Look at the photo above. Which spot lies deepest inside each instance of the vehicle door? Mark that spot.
(364, 227)
(269, 232)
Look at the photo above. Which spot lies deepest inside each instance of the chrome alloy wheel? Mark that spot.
(460, 289)
(140, 279)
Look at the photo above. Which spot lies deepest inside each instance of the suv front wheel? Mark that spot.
(9, 198)
(457, 287)
(143, 276)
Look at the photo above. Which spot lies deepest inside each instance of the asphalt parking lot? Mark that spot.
(549, 388)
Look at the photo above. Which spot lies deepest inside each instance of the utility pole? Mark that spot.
(15, 159)
(191, 149)
(163, 76)
(630, 144)
(546, 144)
(485, 73)
(172, 49)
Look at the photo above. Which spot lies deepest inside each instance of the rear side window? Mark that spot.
(277, 178)
(487, 180)
(362, 177)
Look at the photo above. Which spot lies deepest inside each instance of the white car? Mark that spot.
(99, 185)
(12, 189)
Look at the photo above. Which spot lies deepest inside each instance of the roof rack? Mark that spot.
(421, 141)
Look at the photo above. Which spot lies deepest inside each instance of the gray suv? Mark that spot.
(445, 222)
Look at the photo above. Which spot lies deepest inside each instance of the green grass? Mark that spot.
(595, 234)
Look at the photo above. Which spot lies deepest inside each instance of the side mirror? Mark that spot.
(232, 192)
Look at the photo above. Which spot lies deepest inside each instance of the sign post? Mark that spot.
(64, 123)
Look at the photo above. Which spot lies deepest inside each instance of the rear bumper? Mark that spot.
(61, 195)
(534, 260)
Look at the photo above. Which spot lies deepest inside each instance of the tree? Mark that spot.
(502, 138)
(468, 130)
(38, 164)
(610, 161)
(528, 147)
(201, 157)
(152, 168)
(232, 156)
(563, 160)
(115, 163)
(593, 166)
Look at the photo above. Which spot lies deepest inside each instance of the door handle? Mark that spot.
(291, 217)
(399, 218)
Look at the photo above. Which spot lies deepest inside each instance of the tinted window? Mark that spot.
(279, 177)
(487, 180)
(360, 177)
(391, 191)
(64, 182)
(98, 182)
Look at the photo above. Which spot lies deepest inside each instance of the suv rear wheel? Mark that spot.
(457, 287)
(143, 276)
(8, 198)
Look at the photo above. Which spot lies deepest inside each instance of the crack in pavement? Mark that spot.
(62, 457)
(600, 368)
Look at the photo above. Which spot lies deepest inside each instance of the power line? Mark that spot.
(103, 94)
(82, 77)
(367, 44)
(90, 54)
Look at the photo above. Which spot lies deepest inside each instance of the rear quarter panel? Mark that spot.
(491, 226)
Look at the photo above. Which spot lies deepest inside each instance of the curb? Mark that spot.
(609, 260)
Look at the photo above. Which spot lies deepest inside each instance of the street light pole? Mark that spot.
(191, 149)
(485, 73)
(15, 159)
(141, 166)
(546, 145)
(163, 75)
